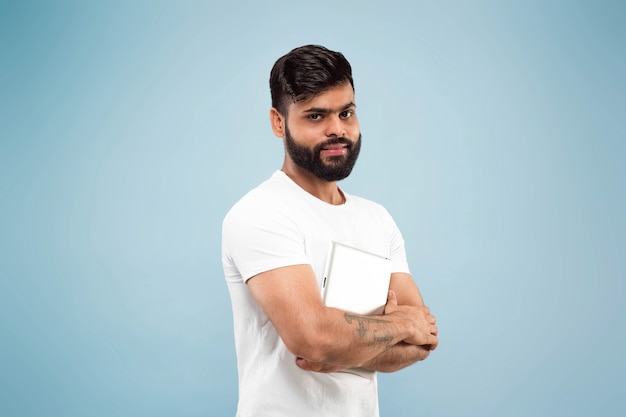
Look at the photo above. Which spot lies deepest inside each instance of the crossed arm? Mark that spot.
(327, 339)
(403, 354)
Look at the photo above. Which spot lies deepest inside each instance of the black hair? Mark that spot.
(306, 72)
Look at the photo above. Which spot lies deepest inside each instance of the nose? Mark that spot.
(335, 126)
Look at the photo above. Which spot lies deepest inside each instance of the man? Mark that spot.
(291, 349)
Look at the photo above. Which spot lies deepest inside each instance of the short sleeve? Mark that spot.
(260, 237)
(397, 252)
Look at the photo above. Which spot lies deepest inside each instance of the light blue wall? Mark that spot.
(493, 132)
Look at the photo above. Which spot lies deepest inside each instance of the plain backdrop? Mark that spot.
(493, 131)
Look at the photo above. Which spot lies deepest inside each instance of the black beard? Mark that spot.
(336, 169)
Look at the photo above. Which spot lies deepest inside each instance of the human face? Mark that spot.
(328, 141)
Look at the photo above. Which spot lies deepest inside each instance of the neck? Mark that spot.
(327, 191)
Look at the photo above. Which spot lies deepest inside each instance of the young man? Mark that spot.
(291, 348)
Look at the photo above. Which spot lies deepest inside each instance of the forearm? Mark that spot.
(320, 334)
(342, 339)
(356, 339)
(397, 357)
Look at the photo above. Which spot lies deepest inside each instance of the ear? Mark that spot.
(277, 121)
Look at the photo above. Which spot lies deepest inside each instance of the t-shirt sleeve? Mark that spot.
(256, 239)
(397, 252)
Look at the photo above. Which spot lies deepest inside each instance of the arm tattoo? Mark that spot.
(362, 330)
(387, 340)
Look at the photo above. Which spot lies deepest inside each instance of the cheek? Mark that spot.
(310, 135)
(354, 132)
(353, 125)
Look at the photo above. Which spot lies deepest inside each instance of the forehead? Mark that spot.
(334, 99)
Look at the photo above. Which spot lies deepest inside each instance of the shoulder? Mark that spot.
(267, 195)
(261, 231)
(361, 203)
(371, 213)
(263, 207)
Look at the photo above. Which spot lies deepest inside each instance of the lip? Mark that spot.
(335, 150)
(334, 146)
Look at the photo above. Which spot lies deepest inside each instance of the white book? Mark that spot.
(356, 281)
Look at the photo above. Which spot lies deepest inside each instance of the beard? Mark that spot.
(335, 168)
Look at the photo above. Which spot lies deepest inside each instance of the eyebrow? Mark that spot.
(327, 110)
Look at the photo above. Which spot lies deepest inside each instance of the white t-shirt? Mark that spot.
(279, 224)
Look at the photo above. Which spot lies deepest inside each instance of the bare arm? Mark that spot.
(291, 299)
(395, 358)
(398, 357)
(403, 354)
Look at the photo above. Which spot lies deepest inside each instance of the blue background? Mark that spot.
(493, 132)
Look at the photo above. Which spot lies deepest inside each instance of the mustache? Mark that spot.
(335, 141)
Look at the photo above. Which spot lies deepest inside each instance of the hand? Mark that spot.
(317, 366)
(423, 323)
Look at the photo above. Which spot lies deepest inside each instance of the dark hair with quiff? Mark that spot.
(306, 72)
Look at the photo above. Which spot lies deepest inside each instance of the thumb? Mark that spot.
(392, 302)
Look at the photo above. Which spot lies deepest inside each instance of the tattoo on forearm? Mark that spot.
(387, 340)
(362, 330)
(350, 317)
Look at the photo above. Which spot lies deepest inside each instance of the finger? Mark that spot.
(309, 366)
(433, 346)
(392, 302)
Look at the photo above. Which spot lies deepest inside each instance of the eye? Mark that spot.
(314, 116)
(346, 114)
